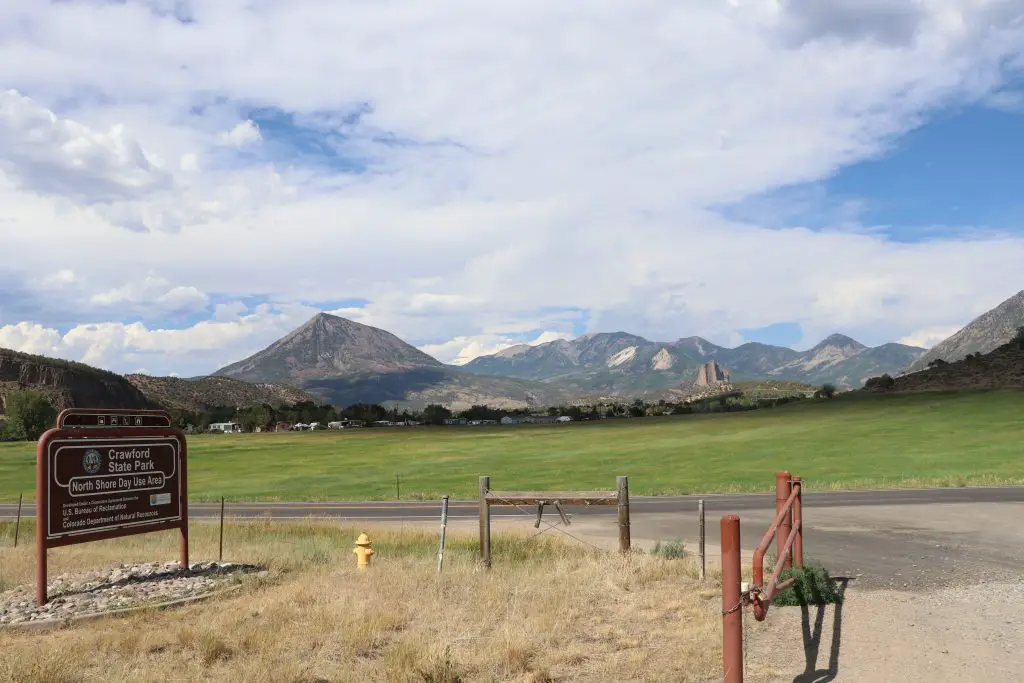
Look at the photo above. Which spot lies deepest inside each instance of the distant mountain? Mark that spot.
(624, 364)
(203, 393)
(329, 346)
(607, 363)
(985, 333)
(344, 362)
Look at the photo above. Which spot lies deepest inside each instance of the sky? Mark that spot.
(182, 183)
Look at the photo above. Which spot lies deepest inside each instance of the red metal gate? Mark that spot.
(787, 528)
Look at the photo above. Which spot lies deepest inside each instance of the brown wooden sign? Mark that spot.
(104, 483)
(112, 418)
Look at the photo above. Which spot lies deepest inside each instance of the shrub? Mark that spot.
(813, 586)
(670, 550)
(883, 382)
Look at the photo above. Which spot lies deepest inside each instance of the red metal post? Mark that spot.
(183, 545)
(732, 601)
(798, 523)
(782, 491)
(42, 503)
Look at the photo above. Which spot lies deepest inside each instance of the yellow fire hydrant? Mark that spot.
(363, 551)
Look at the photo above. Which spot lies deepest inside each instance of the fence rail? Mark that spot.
(787, 528)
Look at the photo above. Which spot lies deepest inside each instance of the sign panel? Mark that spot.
(113, 418)
(104, 484)
(99, 483)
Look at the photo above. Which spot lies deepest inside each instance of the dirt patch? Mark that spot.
(965, 633)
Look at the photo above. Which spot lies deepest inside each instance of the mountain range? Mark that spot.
(332, 359)
(620, 363)
(344, 362)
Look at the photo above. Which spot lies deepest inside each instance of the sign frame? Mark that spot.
(103, 418)
(84, 437)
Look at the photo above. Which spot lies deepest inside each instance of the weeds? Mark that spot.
(670, 550)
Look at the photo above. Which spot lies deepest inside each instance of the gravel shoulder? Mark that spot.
(964, 633)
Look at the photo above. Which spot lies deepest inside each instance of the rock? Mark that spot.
(711, 374)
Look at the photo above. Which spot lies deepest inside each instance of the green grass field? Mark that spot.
(939, 439)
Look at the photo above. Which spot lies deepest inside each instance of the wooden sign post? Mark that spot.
(108, 473)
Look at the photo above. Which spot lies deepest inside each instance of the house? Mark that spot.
(518, 419)
(226, 427)
(456, 421)
(545, 419)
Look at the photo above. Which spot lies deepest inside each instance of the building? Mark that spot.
(456, 421)
(226, 427)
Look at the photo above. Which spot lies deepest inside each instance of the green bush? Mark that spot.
(813, 586)
(670, 550)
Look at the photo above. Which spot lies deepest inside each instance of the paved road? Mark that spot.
(715, 504)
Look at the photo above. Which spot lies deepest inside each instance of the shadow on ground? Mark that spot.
(812, 639)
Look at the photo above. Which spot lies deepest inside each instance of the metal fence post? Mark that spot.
(782, 491)
(622, 487)
(17, 523)
(798, 522)
(485, 523)
(700, 536)
(732, 602)
(444, 527)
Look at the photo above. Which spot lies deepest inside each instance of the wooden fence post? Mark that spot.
(700, 536)
(485, 523)
(622, 486)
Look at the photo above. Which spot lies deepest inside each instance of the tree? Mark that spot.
(1019, 337)
(828, 390)
(436, 414)
(29, 414)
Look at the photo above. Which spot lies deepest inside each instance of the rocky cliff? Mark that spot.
(68, 384)
(711, 374)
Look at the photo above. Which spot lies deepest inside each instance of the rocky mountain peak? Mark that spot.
(840, 341)
(329, 346)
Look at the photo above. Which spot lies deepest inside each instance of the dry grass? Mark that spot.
(547, 611)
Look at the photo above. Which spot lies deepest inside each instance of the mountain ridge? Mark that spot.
(983, 334)
(622, 362)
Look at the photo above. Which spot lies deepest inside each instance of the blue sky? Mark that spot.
(740, 171)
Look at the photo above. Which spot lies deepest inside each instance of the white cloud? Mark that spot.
(461, 350)
(242, 134)
(154, 293)
(930, 336)
(543, 168)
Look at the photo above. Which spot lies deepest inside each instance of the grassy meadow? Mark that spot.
(853, 441)
(548, 610)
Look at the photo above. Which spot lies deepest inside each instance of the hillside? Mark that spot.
(1002, 368)
(203, 393)
(68, 384)
(985, 333)
(619, 364)
(344, 362)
